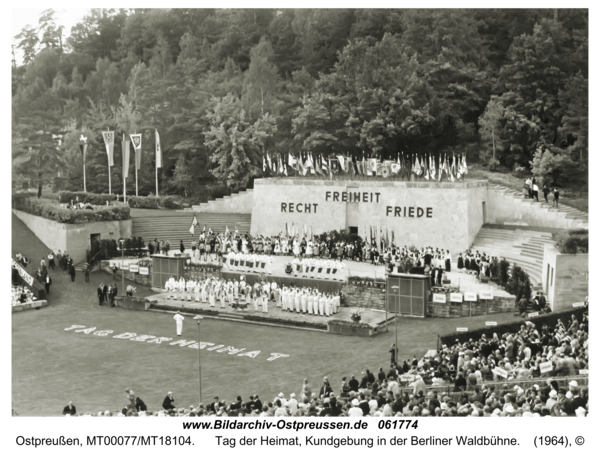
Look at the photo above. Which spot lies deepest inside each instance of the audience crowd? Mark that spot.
(420, 388)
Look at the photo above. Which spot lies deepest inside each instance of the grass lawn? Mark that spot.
(51, 366)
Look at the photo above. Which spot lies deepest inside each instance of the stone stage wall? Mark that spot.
(445, 215)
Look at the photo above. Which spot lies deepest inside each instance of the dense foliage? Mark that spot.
(222, 87)
(572, 241)
(56, 212)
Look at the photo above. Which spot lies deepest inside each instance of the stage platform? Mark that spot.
(465, 281)
(372, 317)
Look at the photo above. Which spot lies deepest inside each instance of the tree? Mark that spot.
(182, 178)
(35, 149)
(261, 81)
(573, 129)
(51, 34)
(236, 145)
(27, 42)
(489, 127)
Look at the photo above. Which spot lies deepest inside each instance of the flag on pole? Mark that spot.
(125, 146)
(194, 223)
(264, 164)
(159, 162)
(83, 146)
(341, 160)
(136, 140)
(109, 142)
(269, 162)
(465, 170)
(292, 162)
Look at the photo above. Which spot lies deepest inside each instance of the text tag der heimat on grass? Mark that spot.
(192, 344)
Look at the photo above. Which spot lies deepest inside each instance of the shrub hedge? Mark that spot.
(55, 212)
(572, 241)
(152, 202)
(550, 319)
(85, 197)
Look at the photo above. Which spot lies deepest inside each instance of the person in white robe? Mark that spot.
(179, 323)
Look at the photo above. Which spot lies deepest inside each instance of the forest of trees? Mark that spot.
(222, 87)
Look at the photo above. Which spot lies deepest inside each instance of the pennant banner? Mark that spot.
(136, 140)
(159, 163)
(83, 146)
(109, 142)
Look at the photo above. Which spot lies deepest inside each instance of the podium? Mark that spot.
(407, 294)
(163, 267)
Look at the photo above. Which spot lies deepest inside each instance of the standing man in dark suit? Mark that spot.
(215, 406)
(47, 284)
(556, 195)
(72, 272)
(114, 294)
(353, 383)
(105, 292)
(69, 409)
(86, 272)
(100, 292)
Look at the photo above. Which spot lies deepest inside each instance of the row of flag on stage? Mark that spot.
(425, 165)
(292, 230)
(135, 139)
(195, 223)
(382, 237)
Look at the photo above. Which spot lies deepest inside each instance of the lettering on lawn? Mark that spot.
(192, 344)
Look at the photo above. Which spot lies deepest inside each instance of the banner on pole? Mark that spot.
(144, 271)
(136, 140)
(486, 295)
(133, 268)
(83, 146)
(109, 142)
(125, 156)
(545, 367)
(158, 151)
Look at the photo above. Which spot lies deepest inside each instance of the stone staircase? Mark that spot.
(507, 206)
(516, 245)
(239, 203)
(176, 226)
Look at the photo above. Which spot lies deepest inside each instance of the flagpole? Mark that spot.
(84, 186)
(156, 169)
(135, 161)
